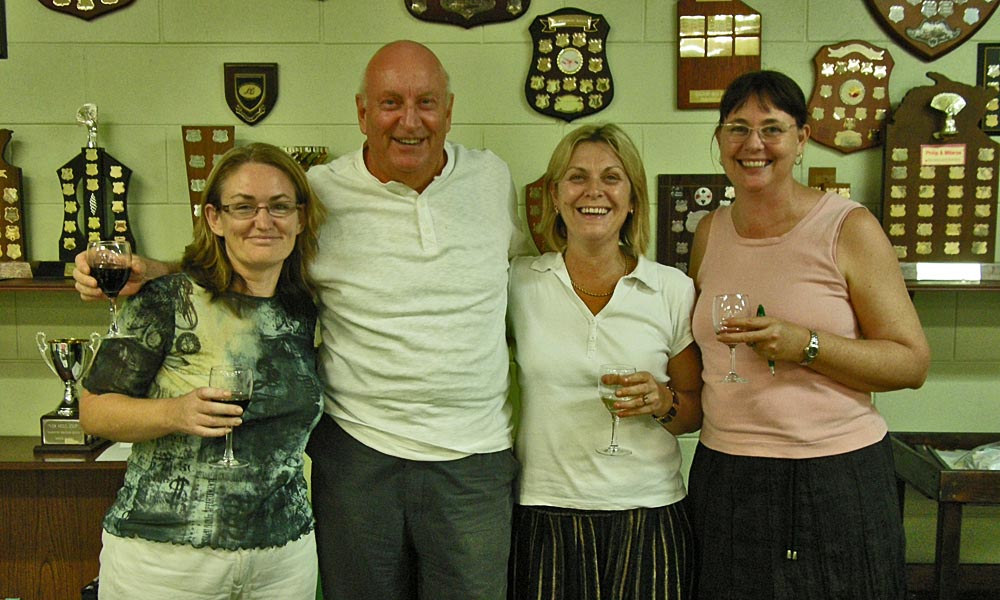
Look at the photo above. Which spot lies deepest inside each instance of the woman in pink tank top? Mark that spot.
(792, 487)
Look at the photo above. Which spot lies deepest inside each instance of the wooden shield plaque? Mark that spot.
(533, 209)
(467, 13)
(928, 28)
(569, 76)
(683, 200)
(13, 246)
(203, 145)
(718, 40)
(850, 99)
(85, 9)
(940, 179)
(251, 90)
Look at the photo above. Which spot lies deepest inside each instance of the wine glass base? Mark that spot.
(234, 463)
(614, 451)
(733, 378)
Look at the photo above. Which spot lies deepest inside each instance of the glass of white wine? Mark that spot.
(728, 306)
(606, 390)
(239, 381)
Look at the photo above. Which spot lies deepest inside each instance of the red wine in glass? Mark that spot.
(111, 278)
(110, 264)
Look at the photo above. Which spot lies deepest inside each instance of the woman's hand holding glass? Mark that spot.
(730, 306)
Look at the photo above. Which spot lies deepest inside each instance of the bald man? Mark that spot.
(412, 464)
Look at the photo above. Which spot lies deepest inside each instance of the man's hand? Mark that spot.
(87, 285)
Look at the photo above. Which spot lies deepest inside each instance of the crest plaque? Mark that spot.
(569, 76)
(251, 90)
(931, 28)
(940, 175)
(988, 76)
(467, 13)
(85, 9)
(533, 208)
(717, 42)
(850, 99)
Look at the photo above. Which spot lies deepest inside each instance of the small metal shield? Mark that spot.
(569, 76)
(850, 99)
(932, 29)
(467, 13)
(85, 9)
(251, 90)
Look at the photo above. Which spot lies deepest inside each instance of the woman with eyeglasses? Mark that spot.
(792, 486)
(181, 526)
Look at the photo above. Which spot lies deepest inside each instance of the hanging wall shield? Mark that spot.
(533, 210)
(467, 13)
(929, 28)
(13, 245)
(717, 42)
(569, 76)
(85, 9)
(850, 99)
(251, 90)
(203, 145)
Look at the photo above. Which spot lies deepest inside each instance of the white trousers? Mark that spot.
(134, 568)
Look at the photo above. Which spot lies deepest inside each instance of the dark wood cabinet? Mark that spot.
(51, 507)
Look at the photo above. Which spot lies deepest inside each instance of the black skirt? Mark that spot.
(822, 528)
(565, 554)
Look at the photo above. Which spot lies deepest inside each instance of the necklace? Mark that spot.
(592, 294)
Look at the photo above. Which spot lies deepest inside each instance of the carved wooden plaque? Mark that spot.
(850, 99)
(718, 40)
(940, 179)
(932, 28)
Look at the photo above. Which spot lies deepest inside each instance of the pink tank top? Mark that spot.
(797, 413)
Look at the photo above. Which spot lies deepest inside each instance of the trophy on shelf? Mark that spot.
(69, 359)
(307, 156)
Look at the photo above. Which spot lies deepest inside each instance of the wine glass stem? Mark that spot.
(614, 432)
(228, 456)
(114, 318)
(732, 359)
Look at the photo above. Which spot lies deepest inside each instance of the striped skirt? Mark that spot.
(565, 554)
(779, 529)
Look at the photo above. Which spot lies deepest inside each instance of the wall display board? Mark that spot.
(718, 41)
(85, 9)
(533, 207)
(683, 200)
(13, 261)
(988, 76)
(86, 180)
(930, 29)
(569, 76)
(467, 13)
(940, 175)
(850, 99)
(203, 145)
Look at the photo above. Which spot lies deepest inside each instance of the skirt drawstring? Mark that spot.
(790, 552)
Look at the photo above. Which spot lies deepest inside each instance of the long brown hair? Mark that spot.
(205, 258)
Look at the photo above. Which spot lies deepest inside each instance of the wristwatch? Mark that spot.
(812, 350)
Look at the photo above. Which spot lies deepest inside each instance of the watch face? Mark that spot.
(570, 60)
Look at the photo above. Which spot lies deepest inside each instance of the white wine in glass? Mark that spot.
(239, 381)
(110, 264)
(606, 391)
(728, 306)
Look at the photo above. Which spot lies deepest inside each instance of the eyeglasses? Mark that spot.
(738, 133)
(244, 211)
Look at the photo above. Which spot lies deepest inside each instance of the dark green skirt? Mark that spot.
(565, 554)
(778, 529)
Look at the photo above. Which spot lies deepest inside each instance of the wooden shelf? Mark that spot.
(63, 284)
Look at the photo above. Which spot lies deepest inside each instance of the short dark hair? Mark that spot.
(771, 89)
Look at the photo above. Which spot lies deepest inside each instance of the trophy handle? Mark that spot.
(43, 349)
(95, 344)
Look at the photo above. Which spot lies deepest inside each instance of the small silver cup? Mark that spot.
(69, 359)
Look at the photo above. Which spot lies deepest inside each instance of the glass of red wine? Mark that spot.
(111, 265)
(238, 380)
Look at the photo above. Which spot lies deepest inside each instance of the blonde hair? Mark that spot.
(634, 234)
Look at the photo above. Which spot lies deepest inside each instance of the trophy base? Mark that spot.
(53, 269)
(15, 270)
(59, 430)
(94, 445)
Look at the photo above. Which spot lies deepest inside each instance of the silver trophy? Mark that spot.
(69, 359)
(950, 104)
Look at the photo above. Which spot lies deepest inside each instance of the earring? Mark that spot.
(798, 158)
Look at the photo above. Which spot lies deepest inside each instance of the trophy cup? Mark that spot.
(69, 359)
(950, 104)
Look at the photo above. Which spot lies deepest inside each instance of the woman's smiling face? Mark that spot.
(594, 195)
